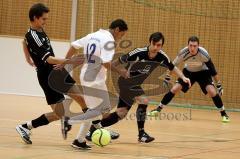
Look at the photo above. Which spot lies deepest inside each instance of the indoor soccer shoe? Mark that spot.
(154, 112)
(114, 135)
(225, 119)
(24, 133)
(65, 127)
(144, 137)
(89, 136)
(80, 145)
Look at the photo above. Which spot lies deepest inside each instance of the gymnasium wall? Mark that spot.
(217, 23)
(17, 77)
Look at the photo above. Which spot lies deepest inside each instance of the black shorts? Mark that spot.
(55, 83)
(127, 93)
(203, 78)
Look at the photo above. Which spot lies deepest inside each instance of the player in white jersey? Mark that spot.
(99, 49)
(198, 68)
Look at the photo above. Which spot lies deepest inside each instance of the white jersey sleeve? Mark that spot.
(79, 43)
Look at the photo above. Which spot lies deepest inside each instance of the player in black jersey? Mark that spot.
(140, 64)
(55, 83)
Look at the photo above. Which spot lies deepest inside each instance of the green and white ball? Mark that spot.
(101, 137)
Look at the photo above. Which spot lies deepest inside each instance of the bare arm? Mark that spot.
(27, 55)
(115, 66)
(60, 63)
(55, 60)
(181, 75)
(177, 72)
(72, 51)
(73, 60)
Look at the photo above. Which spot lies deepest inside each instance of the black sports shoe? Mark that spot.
(144, 137)
(90, 132)
(114, 135)
(24, 133)
(83, 145)
(65, 127)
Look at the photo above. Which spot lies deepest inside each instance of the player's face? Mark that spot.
(155, 46)
(193, 47)
(118, 34)
(41, 21)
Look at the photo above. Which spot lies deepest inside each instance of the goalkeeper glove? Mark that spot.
(219, 88)
(166, 82)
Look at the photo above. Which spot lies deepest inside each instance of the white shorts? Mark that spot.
(96, 95)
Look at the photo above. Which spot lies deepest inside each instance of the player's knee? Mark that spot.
(105, 115)
(142, 100)
(122, 112)
(176, 88)
(58, 111)
(211, 91)
(56, 115)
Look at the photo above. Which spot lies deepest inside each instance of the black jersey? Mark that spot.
(39, 47)
(140, 65)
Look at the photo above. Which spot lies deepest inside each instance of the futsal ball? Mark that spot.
(101, 137)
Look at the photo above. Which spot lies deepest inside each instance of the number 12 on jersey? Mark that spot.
(90, 51)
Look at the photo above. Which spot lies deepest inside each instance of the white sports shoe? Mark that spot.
(24, 133)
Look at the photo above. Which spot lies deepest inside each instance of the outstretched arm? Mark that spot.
(116, 67)
(181, 75)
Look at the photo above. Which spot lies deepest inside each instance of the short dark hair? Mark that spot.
(120, 23)
(193, 39)
(37, 10)
(155, 37)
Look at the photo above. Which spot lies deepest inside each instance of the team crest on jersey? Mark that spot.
(145, 70)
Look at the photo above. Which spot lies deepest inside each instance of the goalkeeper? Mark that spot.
(198, 68)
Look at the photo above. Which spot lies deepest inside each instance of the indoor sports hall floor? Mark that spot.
(202, 137)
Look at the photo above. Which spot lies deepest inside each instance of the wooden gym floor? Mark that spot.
(188, 134)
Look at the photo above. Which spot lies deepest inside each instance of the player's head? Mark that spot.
(193, 44)
(38, 14)
(156, 41)
(118, 28)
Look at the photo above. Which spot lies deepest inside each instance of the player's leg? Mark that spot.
(112, 118)
(141, 115)
(180, 85)
(97, 99)
(54, 99)
(167, 98)
(121, 112)
(76, 94)
(206, 84)
(126, 100)
(80, 142)
(96, 124)
(141, 118)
